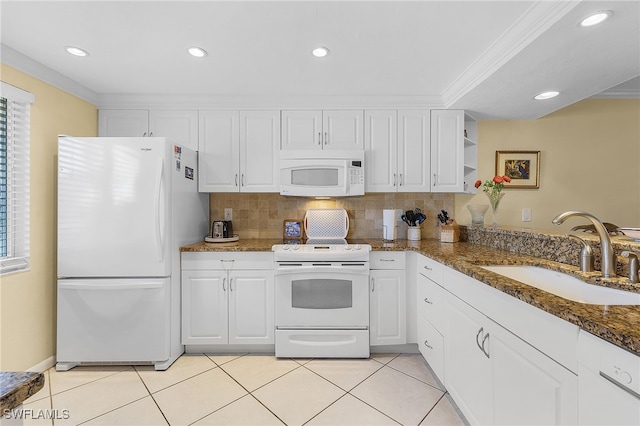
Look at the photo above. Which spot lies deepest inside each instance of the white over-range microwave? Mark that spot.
(323, 173)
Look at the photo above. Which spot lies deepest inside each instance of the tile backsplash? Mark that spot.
(262, 215)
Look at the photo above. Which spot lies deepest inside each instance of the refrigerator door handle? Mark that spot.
(159, 212)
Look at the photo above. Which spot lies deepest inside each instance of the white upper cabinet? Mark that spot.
(447, 151)
(239, 151)
(398, 150)
(328, 129)
(180, 126)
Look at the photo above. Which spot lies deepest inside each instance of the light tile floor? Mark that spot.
(387, 389)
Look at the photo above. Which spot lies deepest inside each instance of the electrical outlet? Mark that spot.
(526, 215)
(228, 214)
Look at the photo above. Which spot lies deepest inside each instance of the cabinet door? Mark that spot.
(204, 307)
(467, 368)
(381, 150)
(342, 129)
(219, 156)
(123, 122)
(251, 302)
(302, 130)
(180, 126)
(388, 307)
(529, 387)
(413, 151)
(447, 150)
(259, 148)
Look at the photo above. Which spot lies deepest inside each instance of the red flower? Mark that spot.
(498, 179)
(478, 183)
(506, 179)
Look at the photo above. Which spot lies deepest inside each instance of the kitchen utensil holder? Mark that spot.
(450, 233)
(413, 233)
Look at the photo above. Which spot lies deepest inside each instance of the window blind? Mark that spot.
(15, 106)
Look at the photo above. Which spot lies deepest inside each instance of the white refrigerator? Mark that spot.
(125, 206)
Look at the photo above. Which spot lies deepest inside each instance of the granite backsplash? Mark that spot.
(556, 247)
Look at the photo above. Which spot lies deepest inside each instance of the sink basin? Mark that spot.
(566, 286)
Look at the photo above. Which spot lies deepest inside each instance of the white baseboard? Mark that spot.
(44, 365)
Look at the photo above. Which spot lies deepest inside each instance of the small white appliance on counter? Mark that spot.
(125, 206)
(322, 291)
(322, 173)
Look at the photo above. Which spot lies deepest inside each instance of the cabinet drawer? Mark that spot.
(430, 269)
(387, 260)
(227, 260)
(431, 345)
(431, 303)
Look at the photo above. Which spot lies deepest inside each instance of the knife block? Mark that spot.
(450, 233)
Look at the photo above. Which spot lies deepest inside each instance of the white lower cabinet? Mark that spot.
(496, 378)
(388, 299)
(227, 306)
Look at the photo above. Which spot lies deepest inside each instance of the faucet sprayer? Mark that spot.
(608, 257)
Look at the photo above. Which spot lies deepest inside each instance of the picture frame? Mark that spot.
(292, 229)
(523, 167)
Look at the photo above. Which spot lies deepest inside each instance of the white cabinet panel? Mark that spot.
(447, 150)
(251, 316)
(219, 156)
(302, 130)
(204, 307)
(317, 129)
(381, 150)
(239, 151)
(259, 147)
(388, 311)
(414, 151)
(179, 126)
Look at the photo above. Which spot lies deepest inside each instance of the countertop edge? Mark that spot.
(16, 387)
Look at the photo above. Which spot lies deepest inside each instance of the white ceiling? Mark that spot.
(488, 57)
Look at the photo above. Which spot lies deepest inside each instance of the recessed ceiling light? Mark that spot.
(596, 18)
(76, 51)
(320, 52)
(546, 95)
(197, 52)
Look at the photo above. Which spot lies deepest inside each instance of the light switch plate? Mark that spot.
(526, 215)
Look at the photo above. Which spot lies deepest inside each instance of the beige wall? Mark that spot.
(590, 160)
(28, 299)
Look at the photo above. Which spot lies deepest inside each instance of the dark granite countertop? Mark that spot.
(619, 325)
(15, 388)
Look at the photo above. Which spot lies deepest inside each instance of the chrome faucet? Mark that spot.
(634, 265)
(608, 257)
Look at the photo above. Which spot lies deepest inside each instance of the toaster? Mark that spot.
(222, 229)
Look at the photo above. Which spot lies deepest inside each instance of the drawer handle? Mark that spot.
(486, 352)
(427, 268)
(426, 343)
(478, 339)
(387, 260)
(224, 287)
(620, 385)
(426, 300)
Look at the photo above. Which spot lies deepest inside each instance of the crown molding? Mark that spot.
(533, 23)
(199, 102)
(19, 61)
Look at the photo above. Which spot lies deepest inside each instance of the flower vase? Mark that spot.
(494, 201)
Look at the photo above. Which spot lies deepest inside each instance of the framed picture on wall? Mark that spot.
(523, 167)
(292, 229)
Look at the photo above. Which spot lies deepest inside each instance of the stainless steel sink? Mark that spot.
(566, 286)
